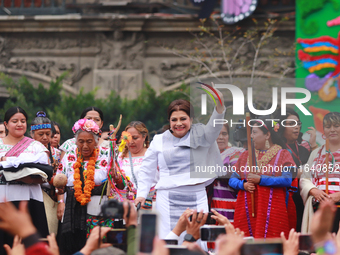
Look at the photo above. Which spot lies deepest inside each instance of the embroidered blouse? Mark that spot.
(66, 166)
(21, 192)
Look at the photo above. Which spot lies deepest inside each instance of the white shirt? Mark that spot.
(23, 192)
(177, 158)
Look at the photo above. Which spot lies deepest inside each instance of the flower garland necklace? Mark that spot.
(84, 198)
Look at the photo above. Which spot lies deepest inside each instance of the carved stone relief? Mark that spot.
(121, 52)
(120, 60)
(51, 69)
(170, 71)
(5, 51)
(127, 83)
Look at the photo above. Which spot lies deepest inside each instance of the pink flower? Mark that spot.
(76, 126)
(103, 163)
(86, 125)
(71, 158)
(81, 121)
(89, 125)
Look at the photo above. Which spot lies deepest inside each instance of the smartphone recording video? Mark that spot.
(148, 226)
(306, 243)
(264, 247)
(210, 221)
(210, 233)
(117, 237)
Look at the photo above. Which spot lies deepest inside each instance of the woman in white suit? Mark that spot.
(181, 153)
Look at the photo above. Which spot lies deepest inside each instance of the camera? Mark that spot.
(113, 209)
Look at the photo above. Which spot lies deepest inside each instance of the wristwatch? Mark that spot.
(189, 238)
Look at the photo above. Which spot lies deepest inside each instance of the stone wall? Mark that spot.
(119, 53)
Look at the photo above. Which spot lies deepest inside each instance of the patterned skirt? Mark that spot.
(93, 221)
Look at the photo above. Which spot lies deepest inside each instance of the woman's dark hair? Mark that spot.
(289, 112)
(92, 108)
(267, 127)
(331, 118)
(105, 128)
(181, 105)
(54, 131)
(12, 111)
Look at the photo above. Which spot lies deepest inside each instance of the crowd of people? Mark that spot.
(56, 191)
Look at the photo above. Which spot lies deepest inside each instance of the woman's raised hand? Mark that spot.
(312, 138)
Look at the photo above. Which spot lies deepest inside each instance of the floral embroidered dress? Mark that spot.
(270, 197)
(68, 145)
(66, 166)
(56, 154)
(77, 223)
(132, 173)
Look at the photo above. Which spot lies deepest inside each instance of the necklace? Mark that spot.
(269, 154)
(83, 197)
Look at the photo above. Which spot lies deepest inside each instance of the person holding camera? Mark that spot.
(86, 169)
(177, 152)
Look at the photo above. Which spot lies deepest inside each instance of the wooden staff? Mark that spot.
(250, 155)
(326, 163)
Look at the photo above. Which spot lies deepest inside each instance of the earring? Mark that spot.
(267, 144)
(144, 145)
(323, 136)
(171, 130)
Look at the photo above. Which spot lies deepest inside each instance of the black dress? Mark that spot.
(300, 156)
